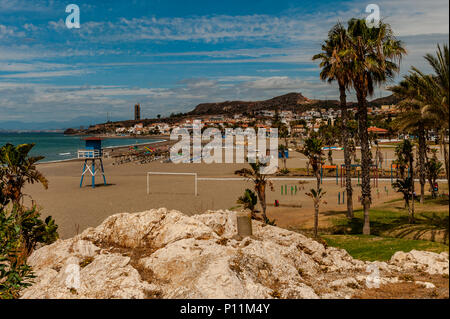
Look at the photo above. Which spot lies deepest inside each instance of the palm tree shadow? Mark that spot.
(332, 213)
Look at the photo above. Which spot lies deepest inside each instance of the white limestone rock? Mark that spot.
(426, 261)
(163, 253)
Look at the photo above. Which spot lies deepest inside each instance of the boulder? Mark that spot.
(426, 261)
(163, 253)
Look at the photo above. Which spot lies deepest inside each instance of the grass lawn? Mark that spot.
(379, 248)
(384, 220)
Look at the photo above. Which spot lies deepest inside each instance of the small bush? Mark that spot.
(21, 228)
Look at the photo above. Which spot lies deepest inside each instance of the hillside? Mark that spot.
(386, 100)
(291, 101)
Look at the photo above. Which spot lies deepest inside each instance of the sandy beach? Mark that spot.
(76, 208)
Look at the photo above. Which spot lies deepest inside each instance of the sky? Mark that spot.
(171, 55)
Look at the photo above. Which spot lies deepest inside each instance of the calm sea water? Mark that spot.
(57, 146)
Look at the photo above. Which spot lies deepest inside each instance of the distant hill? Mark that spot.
(386, 100)
(291, 101)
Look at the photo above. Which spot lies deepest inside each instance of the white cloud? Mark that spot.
(407, 18)
(290, 39)
(22, 67)
(9, 32)
(52, 74)
(413, 17)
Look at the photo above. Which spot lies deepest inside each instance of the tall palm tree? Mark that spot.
(436, 89)
(336, 68)
(374, 54)
(413, 120)
(317, 196)
(312, 149)
(260, 182)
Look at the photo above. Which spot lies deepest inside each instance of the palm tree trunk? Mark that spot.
(317, 173)
(446, 163)
(422, 154)
(316, 205)
(347, 153)
(433, 193)
(316, 219)
(411, 165)
(365, 160)
(262, 201)
(407, 205)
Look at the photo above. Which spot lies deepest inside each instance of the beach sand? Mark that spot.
(76, 208)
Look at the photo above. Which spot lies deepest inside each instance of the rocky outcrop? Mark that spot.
(425, 261)
(165, 254)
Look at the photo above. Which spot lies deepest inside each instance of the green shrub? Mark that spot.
(14, 271)
(21, 228)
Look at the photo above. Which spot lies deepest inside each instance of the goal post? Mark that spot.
(170, 173)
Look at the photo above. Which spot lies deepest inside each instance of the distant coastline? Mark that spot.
(57, 147)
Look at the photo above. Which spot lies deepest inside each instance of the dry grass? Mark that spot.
(409, 289)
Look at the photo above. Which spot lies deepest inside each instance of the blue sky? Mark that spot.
(171, 55)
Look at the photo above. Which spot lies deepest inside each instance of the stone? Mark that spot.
(426, 261)
(163, 253)
(426, 285)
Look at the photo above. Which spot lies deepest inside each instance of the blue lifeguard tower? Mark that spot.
(92, 152)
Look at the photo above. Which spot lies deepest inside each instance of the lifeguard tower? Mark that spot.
(92, 152)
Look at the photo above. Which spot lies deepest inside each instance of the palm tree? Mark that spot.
(404, 152)
(373, 54)
(249, 201)
(404, 186)
(433, 168)
(317, 196)
(336, 68)
(413, 120)
(260, 182)
(436, 89)
(312, 149)
(17, 169)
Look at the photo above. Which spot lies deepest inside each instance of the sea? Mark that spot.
(60, 147)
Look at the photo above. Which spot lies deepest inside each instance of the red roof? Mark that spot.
(376, 129)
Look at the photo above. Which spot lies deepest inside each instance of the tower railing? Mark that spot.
(89, 154)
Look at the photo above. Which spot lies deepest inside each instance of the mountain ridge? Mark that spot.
(291, 101)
